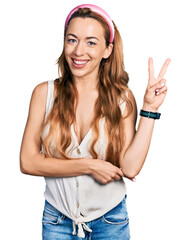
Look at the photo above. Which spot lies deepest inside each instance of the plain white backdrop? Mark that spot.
(31, 41)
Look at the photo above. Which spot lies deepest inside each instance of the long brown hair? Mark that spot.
(112, 86)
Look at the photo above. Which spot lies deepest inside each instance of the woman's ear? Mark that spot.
(108, 51)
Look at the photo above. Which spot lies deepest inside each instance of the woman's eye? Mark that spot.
(91, 43)
(71, 40)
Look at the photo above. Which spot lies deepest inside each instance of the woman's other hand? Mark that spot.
(156, 88)
(105, 172)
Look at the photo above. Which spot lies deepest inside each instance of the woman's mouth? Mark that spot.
(79, 63)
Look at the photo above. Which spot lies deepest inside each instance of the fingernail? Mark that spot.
(162, 84)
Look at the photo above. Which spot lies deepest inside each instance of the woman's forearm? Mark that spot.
(39, 165)
(136, 153)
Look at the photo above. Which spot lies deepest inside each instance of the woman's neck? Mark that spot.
(88, 83)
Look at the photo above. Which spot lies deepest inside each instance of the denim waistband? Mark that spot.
(51, 207)
(81, 225)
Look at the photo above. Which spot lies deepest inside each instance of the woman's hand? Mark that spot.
(105, 172)
(156, 89)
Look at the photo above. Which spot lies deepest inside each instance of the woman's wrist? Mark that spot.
(149, 108)
(148, 111)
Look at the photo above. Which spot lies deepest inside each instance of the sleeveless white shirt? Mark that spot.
(82, 198)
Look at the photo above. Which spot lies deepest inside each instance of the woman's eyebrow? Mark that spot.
(92, 37)
(73, 35)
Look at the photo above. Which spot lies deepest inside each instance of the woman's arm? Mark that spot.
(138, 142)
(32, 162)
(136, 153)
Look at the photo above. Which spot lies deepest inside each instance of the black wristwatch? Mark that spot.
(154, 115)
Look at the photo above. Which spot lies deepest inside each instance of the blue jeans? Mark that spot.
(111, 226)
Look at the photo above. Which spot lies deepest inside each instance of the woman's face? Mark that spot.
(85, 47)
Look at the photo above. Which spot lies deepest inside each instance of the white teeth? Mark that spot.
(79, 62)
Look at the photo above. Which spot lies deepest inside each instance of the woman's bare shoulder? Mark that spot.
(40, 90)
(38, 101)
(131, 96)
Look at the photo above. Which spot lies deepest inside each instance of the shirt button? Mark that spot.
(77, 184)
(77, 205)
(78, 151)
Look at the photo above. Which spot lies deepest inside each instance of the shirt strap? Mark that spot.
(50, 98)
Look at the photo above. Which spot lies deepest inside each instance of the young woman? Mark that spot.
(84, 124)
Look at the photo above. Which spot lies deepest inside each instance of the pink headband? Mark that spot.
(97, 10)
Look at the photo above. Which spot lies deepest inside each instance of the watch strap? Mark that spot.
(154, 115)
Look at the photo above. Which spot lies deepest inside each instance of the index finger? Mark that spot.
(151, 68)
(164, 68)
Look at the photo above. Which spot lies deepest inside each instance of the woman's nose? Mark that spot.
(80, 49)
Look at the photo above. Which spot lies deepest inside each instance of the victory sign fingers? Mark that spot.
(156, 88)
(152, 79)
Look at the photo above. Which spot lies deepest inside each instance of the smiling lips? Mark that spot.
(79, 63)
